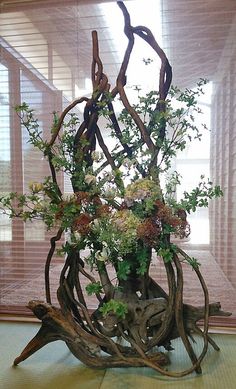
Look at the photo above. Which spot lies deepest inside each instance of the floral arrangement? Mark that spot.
(120, 214)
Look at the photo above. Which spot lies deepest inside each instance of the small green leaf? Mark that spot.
(123, 270)
(117, 307)
(93, 288)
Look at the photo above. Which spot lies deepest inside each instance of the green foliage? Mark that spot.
(171, 128)
(93, 288)
(142, 259)
(200, 196)
(119, 233)
(166, 251)
(116, 307)
(193, 262)
(32, 125)
(171, 183)
(166, 254)
(123, 270)
(114, 211)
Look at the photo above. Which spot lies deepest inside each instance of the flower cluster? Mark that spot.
(149, 231)
(140, 190)
(35, 187)
(165, 215)
(82, 223)
(177, 220)
(124, 226)
(183, 230)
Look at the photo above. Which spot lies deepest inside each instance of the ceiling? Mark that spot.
(55, 37)
(198, 35)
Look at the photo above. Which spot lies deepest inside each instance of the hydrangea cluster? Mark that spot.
(141, 189)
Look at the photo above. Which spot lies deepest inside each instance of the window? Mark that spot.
(45, 60)
(5, 179)
(23, 246)
(194, 162)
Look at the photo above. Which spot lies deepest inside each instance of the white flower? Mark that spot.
(127, 163)
(96, 223)
(109, 176)
(141, 189)
(102, 255)
(90, 179)
(141, 194)
(67, 235)
(110, 193)
(129, 201)
(67, 197)
(77, 235)
(97, 156)
(35, 186)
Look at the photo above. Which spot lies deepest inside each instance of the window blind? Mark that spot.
(45, 60)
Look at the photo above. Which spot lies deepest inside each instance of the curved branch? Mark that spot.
(161, 336)
(96, 76)
(105, 148)
(121, 80)
(53, 241)
(179, 315)
(53, 172)
(166, 70)
(105, 280)
(117, 129)
(62, 117)
(91, 278)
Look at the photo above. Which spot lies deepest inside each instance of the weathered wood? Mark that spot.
(85, 347)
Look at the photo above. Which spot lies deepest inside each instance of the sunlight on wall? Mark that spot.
(146, 13)
(193, 162)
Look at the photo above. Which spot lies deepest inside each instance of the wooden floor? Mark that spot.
(55, 367)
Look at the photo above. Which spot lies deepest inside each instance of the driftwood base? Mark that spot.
(99, 351)
(86, 347)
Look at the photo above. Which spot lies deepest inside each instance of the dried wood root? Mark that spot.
(57, 325)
